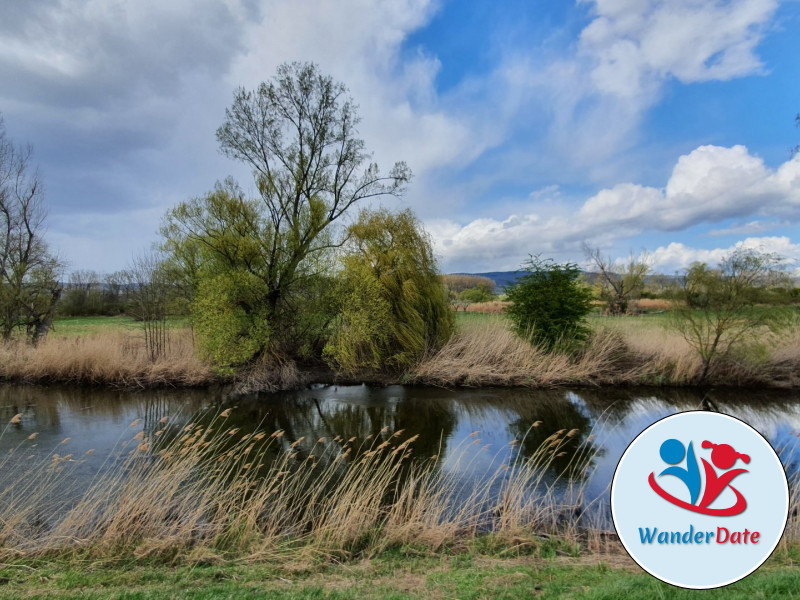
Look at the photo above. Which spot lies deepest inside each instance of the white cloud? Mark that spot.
(359, 43)
(635, 44)
(677, 256)
(710, 184)
(596, 94)
(749, 228)
(122, 101)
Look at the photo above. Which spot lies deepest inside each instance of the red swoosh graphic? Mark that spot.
(737, 508)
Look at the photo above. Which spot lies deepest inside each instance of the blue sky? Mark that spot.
(531, 126)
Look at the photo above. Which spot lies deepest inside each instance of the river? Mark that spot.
(469, 430)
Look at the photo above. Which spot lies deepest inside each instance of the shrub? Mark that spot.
(718, 311)
(550, 304)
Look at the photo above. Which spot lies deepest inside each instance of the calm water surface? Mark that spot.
(469, 430)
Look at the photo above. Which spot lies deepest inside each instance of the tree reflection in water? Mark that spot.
(467, 430)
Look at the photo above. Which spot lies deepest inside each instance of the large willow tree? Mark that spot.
(254, 264)
(393, 304)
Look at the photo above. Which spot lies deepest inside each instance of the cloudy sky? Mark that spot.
(531, 126)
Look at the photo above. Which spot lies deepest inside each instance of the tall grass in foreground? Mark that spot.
(206, 492)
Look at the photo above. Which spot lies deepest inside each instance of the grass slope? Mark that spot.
(392, 576)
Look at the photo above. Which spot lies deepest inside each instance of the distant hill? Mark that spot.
(501, 278)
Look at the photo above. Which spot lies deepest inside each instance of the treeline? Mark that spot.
(463, 289)
(297, 271)
(88, 294)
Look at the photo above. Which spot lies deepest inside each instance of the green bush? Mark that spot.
(550, 304)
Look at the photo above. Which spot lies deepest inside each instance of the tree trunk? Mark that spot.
(43, 324)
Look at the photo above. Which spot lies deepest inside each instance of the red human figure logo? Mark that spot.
(724, 457)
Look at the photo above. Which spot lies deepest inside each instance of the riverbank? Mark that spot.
(309, 508)
(483, 352)
(402, 573)
(189, 489)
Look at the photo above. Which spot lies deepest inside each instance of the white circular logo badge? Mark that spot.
(699, 499)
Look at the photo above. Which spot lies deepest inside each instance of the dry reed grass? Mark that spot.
(483, 352)
(494, 307)
(110, 358)
(655, 304)
(489, 353)
(200, 492)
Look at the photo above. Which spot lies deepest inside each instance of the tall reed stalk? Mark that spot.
(198, 491)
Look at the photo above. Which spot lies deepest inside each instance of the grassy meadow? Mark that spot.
(71, 327)
(628, 350)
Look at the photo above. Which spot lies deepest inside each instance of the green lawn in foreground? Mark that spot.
(78, 326)
(386, 578)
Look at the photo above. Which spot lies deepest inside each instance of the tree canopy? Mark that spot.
(393, 305)
(258, 264)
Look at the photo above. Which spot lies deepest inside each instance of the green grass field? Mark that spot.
(79, 326)
(392, 576)
(596, 320)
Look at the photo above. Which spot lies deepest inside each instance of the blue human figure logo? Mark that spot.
(672, 453)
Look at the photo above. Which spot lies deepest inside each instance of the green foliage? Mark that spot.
(457, 283)
(481, 293)
(230, 328)
(718, 311)
(393, 306)
(298, 134)
(550, 304)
